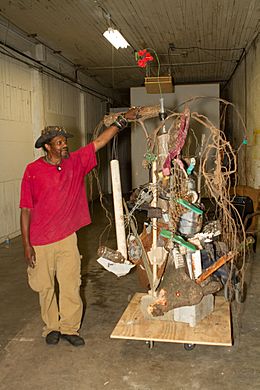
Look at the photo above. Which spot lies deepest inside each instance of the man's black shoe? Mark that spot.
(53, 337)
(73, 339)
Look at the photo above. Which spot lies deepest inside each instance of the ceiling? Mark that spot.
(196, 41)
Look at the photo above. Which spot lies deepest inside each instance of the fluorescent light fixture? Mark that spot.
(115, 38)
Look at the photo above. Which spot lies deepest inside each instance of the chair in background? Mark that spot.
(248, 213)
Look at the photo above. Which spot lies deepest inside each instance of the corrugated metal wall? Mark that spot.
(244, 92)
(15, 140)
(62, 107)
(30, 100)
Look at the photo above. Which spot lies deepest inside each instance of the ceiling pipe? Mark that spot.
(153, 66)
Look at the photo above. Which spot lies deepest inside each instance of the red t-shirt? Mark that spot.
(57, 199)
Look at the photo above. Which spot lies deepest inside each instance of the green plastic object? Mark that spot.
(167, 234)
(182, 242)
(150, 157)
(189, 206)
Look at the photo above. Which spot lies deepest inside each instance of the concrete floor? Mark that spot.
(26, 362)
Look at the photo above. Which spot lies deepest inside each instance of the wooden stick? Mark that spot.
(214, 267)
(144, 113)
(222, 260)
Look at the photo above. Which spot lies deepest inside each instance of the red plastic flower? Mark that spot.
(142, 53)
(142, 63)
(143, 57)
(148, 57)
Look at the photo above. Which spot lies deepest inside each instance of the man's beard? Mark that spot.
(65, 153)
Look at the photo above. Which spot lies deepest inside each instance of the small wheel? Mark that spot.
(150, 344)
(189, 347)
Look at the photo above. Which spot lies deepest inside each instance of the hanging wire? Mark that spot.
(114, 152)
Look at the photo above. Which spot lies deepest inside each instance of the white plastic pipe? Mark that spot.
(154, 224)
(118, 208)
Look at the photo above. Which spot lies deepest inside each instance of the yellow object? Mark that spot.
(256, 137)
(161, 84)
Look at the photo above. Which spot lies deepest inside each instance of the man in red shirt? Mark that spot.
(53, 207)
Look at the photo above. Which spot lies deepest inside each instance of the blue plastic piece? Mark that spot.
(191, 166)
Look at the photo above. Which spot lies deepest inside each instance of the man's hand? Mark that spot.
(30, 256)
(133, 113)
(29, 253)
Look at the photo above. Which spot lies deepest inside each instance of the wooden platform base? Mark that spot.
(212, 330)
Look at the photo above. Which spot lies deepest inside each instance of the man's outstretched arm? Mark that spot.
(111, 131)
(105, 137)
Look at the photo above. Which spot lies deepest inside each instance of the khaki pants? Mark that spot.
(63, 260)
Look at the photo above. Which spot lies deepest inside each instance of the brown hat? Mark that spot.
(50, 132)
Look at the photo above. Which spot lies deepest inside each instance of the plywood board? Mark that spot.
(212, 330)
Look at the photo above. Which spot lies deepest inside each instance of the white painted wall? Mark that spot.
(139, 97)
(244, 91)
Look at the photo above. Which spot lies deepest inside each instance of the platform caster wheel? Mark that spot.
(189, 347)
(150, 344)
